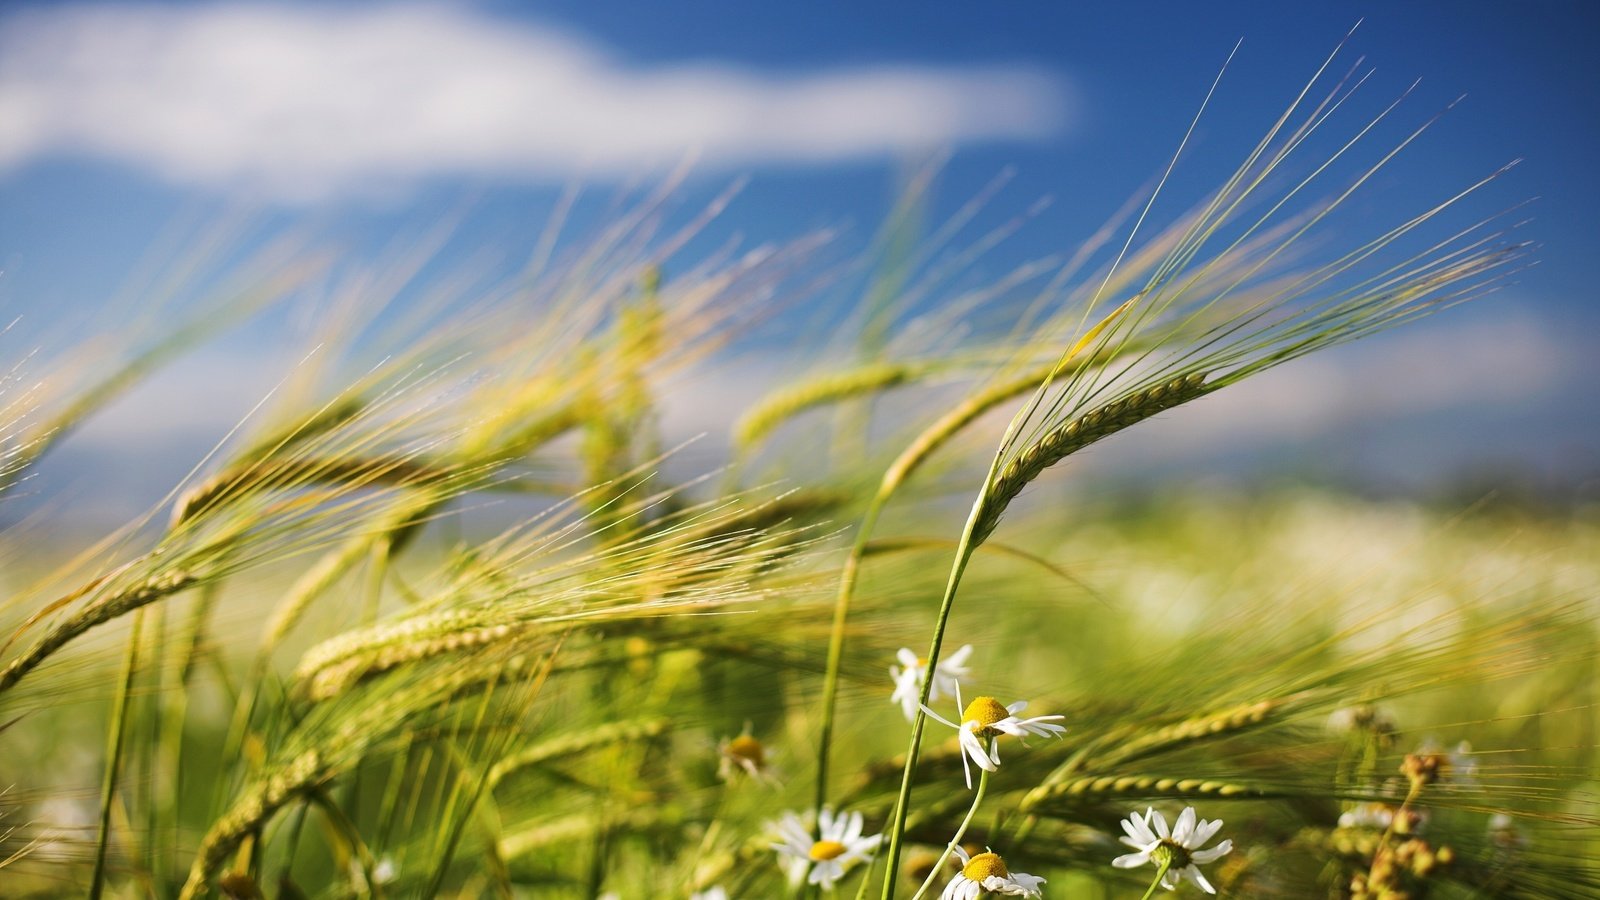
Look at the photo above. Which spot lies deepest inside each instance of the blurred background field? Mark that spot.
(1178, 606)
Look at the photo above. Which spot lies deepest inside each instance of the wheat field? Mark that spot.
(454, 613)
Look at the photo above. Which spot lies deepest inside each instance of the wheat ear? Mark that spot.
(1097, 788)
(97, 613)
(1075, 434)
(790, 402)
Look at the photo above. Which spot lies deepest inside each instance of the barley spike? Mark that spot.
(1075, 434)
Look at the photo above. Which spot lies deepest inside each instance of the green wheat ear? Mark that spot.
(788, 402)
(1071, 436)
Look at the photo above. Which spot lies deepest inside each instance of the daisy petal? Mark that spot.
(1214, 854)
(1131, 860)
(942, 719)
(1184, 827)
(1197, 878)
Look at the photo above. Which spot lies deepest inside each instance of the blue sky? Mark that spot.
(130, 128)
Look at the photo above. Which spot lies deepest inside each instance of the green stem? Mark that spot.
(872, 865)
(149, 745)
(340, 825)
(983, 785)
(964, 553)
(1160, 874)
(297, 823)
(841, 612)
(918, 451)
(108, 785)
(175, 694)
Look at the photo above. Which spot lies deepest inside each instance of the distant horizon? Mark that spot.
(86, 203)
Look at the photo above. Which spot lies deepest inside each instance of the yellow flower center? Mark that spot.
(747, 748)
(823, 851)
(985, 711)
(983, 865)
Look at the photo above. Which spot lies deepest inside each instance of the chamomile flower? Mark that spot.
(947, 678)
(715, 893)
(986, 873)
(822, 860)
(745, 754)
(1178, 849)
(984, 720)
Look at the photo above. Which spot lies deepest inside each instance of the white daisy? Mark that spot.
(947, 678)
(715, 893)
(985, 720)
(1178, 850)
(745, 754)
(838, 844)
(987, 873)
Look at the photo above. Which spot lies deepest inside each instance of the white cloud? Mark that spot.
(301, 101)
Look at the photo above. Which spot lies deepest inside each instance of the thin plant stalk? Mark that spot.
(841, 612)
(149, 745)
(1160, 874)
(173, 718)
(119, 727)
(977, 799)
(964, 553)
(934, 437)
(931, 439)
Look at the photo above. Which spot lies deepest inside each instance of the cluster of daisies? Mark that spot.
(822, 855)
